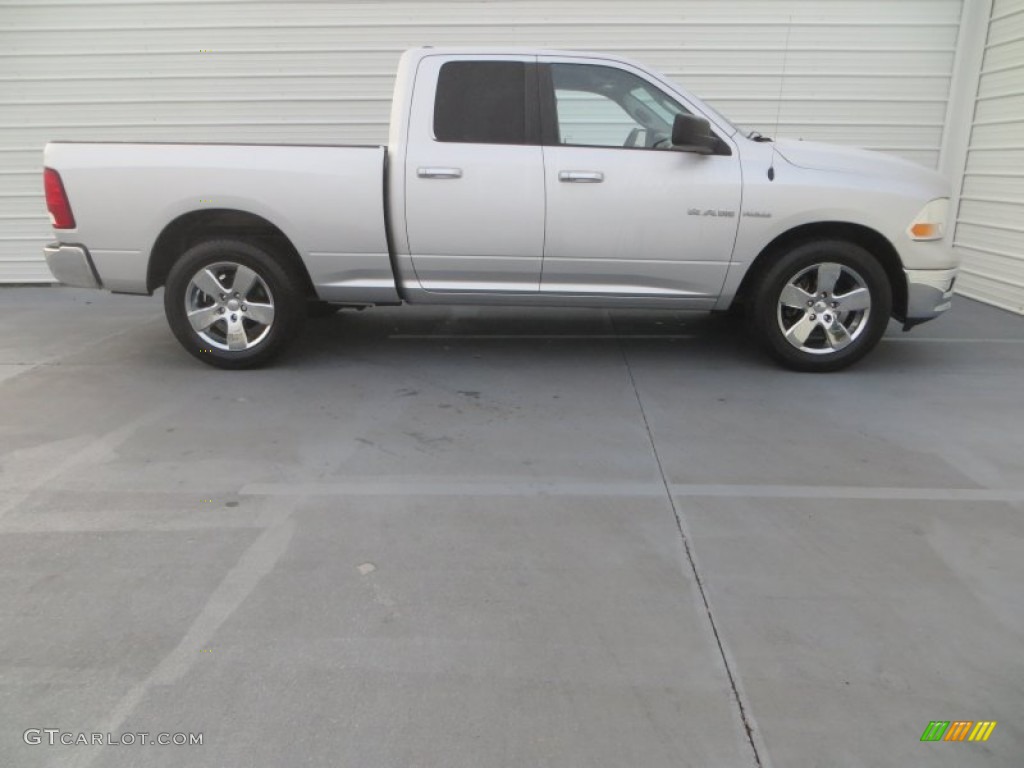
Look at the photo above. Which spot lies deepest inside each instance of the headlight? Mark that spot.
(930, 223)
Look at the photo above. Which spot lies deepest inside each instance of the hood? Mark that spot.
(864, 162)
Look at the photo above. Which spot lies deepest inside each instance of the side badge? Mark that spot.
(716, 212)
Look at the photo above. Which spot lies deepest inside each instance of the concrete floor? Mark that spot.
(436, 537)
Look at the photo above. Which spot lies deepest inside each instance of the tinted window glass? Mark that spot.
(481, 102)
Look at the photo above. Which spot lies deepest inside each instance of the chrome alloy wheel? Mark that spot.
(824, 308)
(229, 306)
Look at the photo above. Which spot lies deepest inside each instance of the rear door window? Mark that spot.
(481, 102)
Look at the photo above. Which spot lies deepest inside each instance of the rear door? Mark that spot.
(626, 215)
(474, 175)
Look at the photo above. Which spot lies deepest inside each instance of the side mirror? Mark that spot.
(693, 134)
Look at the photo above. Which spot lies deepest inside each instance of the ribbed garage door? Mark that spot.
(990, 222)
(874, 73)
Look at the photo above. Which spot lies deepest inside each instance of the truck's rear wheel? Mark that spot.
(822, 306)
(232, 305)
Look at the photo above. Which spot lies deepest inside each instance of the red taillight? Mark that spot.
(57, 200)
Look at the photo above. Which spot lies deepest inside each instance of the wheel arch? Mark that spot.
(194, 227)
(871, 240)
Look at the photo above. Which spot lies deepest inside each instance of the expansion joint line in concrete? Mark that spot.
(693, 563)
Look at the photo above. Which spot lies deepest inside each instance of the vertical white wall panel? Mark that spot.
(990, 221)
(874, 73)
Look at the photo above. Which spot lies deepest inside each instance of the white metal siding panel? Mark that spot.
(990, 220)
(870, 72)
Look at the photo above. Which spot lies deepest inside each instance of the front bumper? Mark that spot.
(71, 265)
(929, 294)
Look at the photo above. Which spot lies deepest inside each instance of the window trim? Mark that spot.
(533, 129)
(548, 107)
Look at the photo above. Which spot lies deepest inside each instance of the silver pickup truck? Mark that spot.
(518, 178)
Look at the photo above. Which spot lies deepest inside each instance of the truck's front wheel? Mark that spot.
(822, 306)
(231, 304)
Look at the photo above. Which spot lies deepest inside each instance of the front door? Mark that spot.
(626, 215)
(474, 176)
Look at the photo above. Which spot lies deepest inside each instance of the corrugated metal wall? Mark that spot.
(874, 73)
(990, 222)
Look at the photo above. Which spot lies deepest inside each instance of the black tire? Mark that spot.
(275, 285)
(808, 331)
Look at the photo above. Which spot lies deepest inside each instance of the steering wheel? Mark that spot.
(661, 141)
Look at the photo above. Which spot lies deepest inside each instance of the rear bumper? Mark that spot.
(929, 294)
(71, 265)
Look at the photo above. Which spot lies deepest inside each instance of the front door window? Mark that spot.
(599, 106)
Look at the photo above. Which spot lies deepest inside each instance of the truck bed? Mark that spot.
(327, 200)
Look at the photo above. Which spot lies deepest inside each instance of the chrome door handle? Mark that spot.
(439, 173)
(581, 177)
